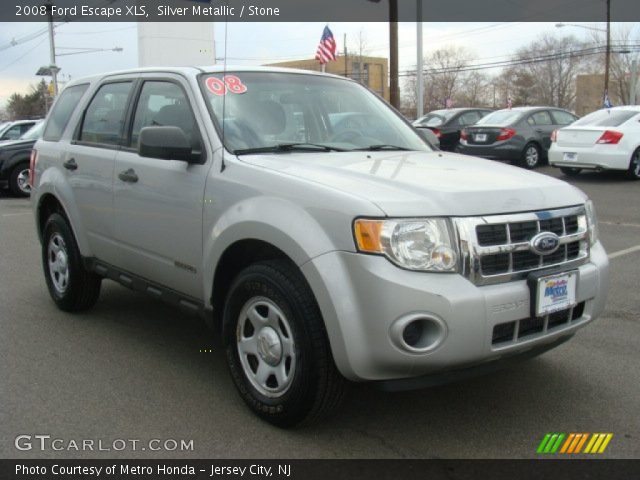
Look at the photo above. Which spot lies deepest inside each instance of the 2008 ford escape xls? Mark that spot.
(312, 226)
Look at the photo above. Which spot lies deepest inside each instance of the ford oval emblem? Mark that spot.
(545, 243)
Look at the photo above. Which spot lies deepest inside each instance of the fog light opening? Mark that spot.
(418, 333)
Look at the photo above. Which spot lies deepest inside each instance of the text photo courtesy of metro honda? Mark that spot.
(323, 248)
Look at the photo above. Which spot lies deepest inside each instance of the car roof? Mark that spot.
(195, 70)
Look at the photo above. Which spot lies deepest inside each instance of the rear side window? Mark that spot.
(540, 118)
(62, 111)
(563, 118)
(104, 119)
(606, 118)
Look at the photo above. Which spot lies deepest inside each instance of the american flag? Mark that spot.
(607, 102)
(448, 103)
(509, 103)
(327, 47)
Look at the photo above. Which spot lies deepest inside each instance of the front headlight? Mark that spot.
(592, 222)
(424, 244)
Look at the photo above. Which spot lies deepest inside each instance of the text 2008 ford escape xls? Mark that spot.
(310, 225)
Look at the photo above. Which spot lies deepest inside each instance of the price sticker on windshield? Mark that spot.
(226, 84)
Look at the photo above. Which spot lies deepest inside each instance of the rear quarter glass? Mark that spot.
(62, 111)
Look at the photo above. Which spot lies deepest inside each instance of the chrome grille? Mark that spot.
(497, 249)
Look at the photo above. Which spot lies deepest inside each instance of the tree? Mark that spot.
(620, 67)
(30, 105)
(548, 71)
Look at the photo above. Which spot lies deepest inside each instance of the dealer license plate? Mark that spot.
(556, 292)
(570, 156)
(480, 137)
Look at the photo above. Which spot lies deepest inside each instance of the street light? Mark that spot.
(81, 50)
(560, 25)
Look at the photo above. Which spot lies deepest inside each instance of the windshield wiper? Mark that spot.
(290, 147)
(377, 148)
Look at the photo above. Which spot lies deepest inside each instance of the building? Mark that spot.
(590, 92)
(370, 71)
(178, 44)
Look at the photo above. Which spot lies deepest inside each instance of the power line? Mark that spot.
(524, 61)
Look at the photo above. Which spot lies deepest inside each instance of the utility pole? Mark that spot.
(634, 82)
(394, 94)
(52, 49)
(346, 71)
(419, 75)
(607, 61)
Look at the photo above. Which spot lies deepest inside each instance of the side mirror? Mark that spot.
(429, 137)
(167, 143)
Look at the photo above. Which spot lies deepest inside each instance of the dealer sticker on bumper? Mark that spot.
(556, 292)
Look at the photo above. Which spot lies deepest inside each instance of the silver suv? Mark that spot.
(312, 227)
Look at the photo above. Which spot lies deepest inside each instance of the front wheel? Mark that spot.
(71, 286)
(633, 172)
(531, 156)
(277, 348)
(570, 171)
(19, 180)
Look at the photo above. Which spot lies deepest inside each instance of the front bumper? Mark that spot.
(362, 296)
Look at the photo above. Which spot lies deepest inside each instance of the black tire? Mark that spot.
(82, 286)
(531, 156)
(570, 171)
(17, 180)
(633, 173)
(316, 387)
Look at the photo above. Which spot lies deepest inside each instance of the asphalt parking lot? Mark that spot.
(134, 368)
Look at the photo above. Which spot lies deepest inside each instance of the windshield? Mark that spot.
(34, 133)
(606, 118)
(435, 118)
(501, 118)
(266, 110)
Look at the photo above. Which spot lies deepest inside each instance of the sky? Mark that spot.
(255, 44)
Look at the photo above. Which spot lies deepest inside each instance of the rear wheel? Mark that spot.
(19, 180)
(71, 286)
(277, 347)
(570, 171)
(531, 156)
(634, 166)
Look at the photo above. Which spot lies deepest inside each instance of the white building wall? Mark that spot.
(175, 44)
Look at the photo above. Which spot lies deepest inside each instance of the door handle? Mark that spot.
(539, 130)
(128, 176)
(70, 164)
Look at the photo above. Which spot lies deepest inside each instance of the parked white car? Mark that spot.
(604, 140)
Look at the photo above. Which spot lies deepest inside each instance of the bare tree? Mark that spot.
(548, 70)
(620, 67)
(360, 50)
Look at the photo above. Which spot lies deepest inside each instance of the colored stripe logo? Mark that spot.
(573, 443)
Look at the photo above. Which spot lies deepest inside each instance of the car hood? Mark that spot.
(426, 183)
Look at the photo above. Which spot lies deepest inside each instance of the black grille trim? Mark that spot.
(514, 331)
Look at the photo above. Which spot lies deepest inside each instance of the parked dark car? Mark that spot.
(14, 162)
(520, 135)
(447, 124)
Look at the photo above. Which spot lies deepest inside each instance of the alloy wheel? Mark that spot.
(266, 347)
(58, 258)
